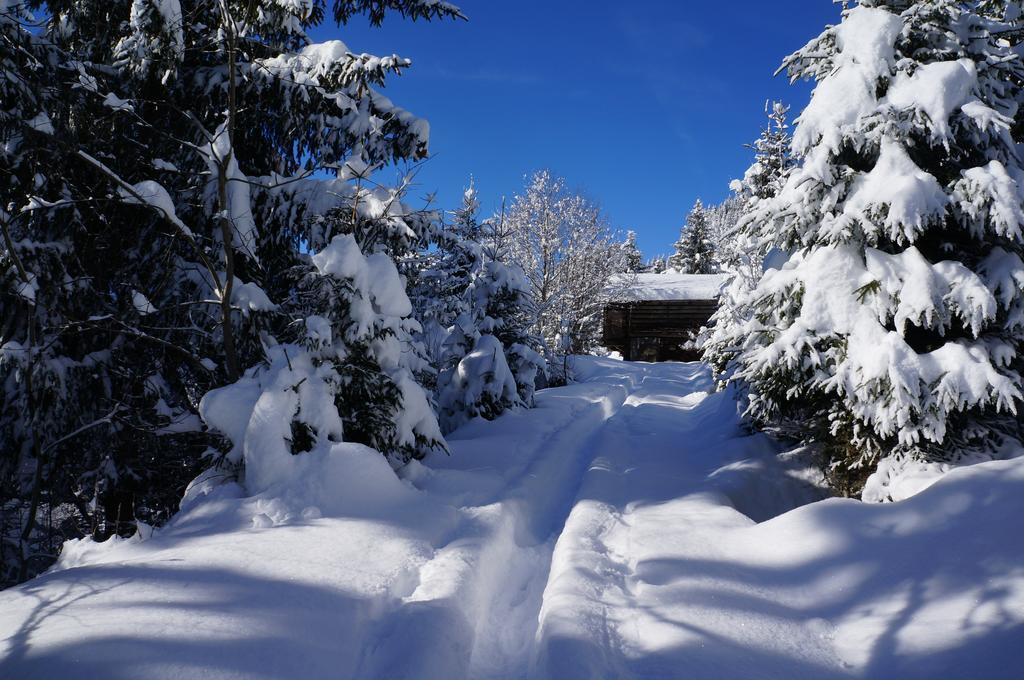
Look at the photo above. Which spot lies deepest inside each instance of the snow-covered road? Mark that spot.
(627, 527)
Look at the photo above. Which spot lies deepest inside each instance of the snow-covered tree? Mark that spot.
(481, 384)
(766, 176)
(39, 372)
(695, 249)
(657, 264)
(346, 375)
(563, 244)
(474, 309)
(893, 332)
(440, 283)
(164, 197)
(723, 220)
(741, 244)
(1009, 14)
(633, 259)
(502, 292)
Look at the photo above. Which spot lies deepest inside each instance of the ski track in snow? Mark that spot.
(608, 533)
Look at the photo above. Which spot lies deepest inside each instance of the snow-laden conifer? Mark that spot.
(695, 249)
(476, 319)
(893, 331)
(502, 292)
(633, 259)
(441, 281)
(741, 245)
(346, 377)
(164, 204)
(657, 264)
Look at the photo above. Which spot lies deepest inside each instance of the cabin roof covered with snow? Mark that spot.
(667, 286)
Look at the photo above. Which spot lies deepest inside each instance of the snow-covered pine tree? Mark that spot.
(172, 220)
(1009, 14)
(440, 284)
(502, 292)
(38, 366)
(93, 431)
(722, 226)
(695, 250)
(350, 291)
(489, 362)
(633, 259)
(893, 333)
(742, 245)
(657, 264)
(765, 177)
(345, 375)
(481, 384)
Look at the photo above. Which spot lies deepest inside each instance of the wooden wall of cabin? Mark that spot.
(656, 330)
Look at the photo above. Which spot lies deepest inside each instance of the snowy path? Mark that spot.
(651, 510)
(623, 529)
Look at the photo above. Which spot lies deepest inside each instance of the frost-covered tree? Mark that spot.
(893, 332)
(564, 245)
(633, 259)
(723, 220)
(695, 249)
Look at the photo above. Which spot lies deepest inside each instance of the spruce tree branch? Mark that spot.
(133, 192)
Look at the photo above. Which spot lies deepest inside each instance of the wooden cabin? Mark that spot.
(655, 317)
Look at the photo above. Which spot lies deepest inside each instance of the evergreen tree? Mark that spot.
(502, 292)
(743, 247)
(893, 332)
(657, 265)
(765, 177)
(441, 281)
(695, 251)
(345, 375)
(473, 307)
(633, 259)
(166, 196)
(723, 226)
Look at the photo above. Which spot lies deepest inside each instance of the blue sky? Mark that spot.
(645, 105)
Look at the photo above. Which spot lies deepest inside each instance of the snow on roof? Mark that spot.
(667, 286)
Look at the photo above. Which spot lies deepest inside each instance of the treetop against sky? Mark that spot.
(646, 105)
